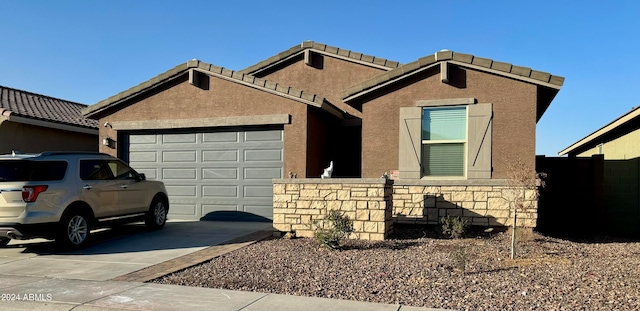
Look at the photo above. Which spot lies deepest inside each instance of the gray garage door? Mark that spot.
(223, 174)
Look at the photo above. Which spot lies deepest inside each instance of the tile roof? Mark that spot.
(320, 47)
(25, 104)
(221, 72)
(468, 60)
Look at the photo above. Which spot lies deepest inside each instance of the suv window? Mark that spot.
(95, 170)
(16, 170)
(121, 170)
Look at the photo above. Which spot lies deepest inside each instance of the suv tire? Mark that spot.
(74, 230)
(157, 215)
(4, 242)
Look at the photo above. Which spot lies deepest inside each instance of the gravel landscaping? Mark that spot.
(417, 267)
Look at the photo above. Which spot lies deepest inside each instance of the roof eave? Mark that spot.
(12, 117)
(620, 121)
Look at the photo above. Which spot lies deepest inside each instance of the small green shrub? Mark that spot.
(454, 227)
(460, 257)
(335, 228)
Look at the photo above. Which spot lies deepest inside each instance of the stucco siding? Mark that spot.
(624, 147)
(334, 76)
(34, 139)
(514, 116)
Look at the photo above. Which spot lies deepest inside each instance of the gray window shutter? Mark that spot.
(410, 143)
(479, 137)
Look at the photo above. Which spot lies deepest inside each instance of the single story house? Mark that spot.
(32, 122)
(438, 125)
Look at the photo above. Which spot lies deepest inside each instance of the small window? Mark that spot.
(444, 135)
(16, 170)
(95, 170)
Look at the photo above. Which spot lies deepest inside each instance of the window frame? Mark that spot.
(464, 142)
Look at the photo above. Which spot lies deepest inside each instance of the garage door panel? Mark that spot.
(179, 156)
(183, 209)
(274, 135)
(143, 156)
(181, 191)
(179, 138)
(265, 191)
(210, 171)
(220, 191)
(220, 173)
(220, 137)
(263, 155)
(179, 173)
(220, 156)
(143, 139)
(262, 172)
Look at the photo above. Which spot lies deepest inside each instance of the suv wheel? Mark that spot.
(157, 215)
(74, 230)
(4, 242)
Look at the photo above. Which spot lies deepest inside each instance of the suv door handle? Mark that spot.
(123, 186)
(86, 187)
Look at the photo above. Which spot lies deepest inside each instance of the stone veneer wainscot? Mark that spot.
(297, 203)
(481, 202)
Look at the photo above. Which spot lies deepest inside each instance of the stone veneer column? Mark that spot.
(297, 203)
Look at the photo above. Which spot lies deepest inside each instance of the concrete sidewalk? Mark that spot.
(42, 293)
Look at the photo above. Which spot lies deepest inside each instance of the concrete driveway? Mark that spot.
(120, 251)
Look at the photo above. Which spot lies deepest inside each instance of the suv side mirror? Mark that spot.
(141, 177)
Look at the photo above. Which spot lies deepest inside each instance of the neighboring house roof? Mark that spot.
(596, 137)
(36, 109)
(219, 72)
(465, 60)
(296, 50)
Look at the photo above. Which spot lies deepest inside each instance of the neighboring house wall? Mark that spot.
(514, 117)
(34, 139)
(184, 101)
(624, 147)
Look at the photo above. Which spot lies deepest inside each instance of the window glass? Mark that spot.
(444, 134)
(95, 170)
(17, 170)
(120, 170)
(444, 123)
(443, 159)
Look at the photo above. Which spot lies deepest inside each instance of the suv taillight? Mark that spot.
(30, 193)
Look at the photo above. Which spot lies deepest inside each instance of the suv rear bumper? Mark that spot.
(23, 232)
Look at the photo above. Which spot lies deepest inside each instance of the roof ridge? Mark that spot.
(41, 95)
(447, 55)
(356, 56)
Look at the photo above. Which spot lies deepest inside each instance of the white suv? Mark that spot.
(63, 195)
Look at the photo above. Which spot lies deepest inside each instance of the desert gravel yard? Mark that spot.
(418, 268)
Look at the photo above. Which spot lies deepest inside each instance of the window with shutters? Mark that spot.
(444, 137)
(451, 141)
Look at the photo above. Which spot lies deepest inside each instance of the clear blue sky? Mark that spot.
(86, 51)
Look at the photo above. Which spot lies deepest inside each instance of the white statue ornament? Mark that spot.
(327, 171)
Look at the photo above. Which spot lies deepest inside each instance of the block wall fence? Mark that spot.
(376, 204)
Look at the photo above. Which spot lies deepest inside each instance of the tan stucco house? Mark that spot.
(32, 122)
(618, 140)
(218, 137)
